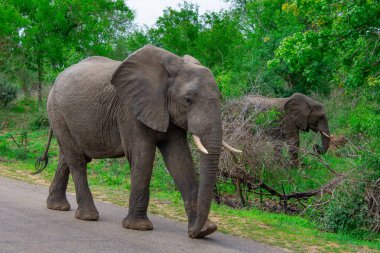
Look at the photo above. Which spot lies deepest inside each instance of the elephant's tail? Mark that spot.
(42, 161)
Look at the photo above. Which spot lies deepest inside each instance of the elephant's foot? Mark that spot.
(137, 223)
(87, 213)
(207, 229)
(60, 204)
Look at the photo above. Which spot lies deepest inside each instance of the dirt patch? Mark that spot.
(22, 175)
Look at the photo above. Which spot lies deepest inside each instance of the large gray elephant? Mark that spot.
(298, 112)
(101, 108)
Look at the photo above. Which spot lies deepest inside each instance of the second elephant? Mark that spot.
(298, 112)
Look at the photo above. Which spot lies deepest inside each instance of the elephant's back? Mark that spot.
(83, 83)
(91, 73)
(256, 103)
(251, 106)
(262, 103)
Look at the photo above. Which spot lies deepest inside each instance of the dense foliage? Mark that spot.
(7, 92)
(271, 47)
(45, 36)
(329, 49)
(276, 47)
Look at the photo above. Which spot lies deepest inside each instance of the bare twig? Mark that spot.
(14, 140)
(323, 162)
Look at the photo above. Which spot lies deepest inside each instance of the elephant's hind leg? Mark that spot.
(57, 192)
(76, 161)
(86, 206)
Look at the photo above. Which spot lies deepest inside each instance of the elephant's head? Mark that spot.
(162, 88)
(309, 114)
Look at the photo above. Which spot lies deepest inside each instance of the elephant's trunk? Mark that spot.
(325, 135)
(208, 172)
(325, 142)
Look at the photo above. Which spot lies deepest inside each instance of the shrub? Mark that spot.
(39, 121)
(366, 120)
(25, 105)
(7, 93)
(14, 145)
(347, 211)
(354, 206)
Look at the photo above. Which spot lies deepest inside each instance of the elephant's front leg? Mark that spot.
(278, 145)
(294, 144)
(179, 162)
(141, 157)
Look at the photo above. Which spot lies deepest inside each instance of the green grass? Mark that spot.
(109, 180)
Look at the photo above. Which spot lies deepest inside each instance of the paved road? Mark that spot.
(27, 226)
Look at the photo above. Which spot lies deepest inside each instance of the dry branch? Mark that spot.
(253, 183)
(373, 201)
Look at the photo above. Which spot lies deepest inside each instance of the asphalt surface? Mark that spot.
(26, 225)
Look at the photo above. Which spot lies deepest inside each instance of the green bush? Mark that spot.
(357, 116)
(7, 93)
(231, 84)
(3, 147)
(365, 120)
(14, 145)
(25, 105)
(347, 211)
(39, 121)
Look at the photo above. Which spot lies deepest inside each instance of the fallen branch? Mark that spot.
(253, 183)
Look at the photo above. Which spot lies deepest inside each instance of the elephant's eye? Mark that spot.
(188, 99)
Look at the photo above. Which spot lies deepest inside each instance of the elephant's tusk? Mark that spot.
(324, 134)
(228, 147)
(199, 144)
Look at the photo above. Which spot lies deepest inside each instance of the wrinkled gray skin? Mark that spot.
(101, 108)
(299, 112)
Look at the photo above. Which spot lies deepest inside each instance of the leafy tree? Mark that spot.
(178, 31)
(221, 40)
(340, 44)
(262, 25)
(51, 28)
(136, 39)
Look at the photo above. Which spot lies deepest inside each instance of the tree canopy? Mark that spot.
(273, 47)
(45, 35)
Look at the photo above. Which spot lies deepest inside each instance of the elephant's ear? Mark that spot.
(141, 83)
(189, 59)
(299, 110)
